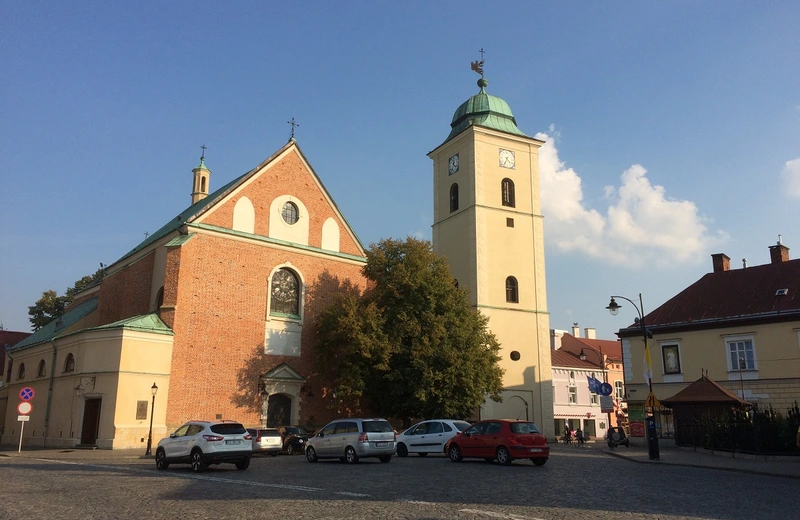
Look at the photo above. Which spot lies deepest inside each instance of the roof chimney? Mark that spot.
(779, 253)
(721, 262)
(589, 333)
(576, 331)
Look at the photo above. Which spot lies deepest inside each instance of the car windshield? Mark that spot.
(296, 431)
(524, 427)
(228, 428)
(461, 425)
(377, 427)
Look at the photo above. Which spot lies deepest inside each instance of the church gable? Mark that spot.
(283, 199)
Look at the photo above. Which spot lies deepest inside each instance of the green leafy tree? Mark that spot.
(411, 346)
(50, 306)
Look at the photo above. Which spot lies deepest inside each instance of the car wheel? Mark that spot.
(290, 449)
(198, 464)
(351, 455)
(503, 456)
(454, 453)
(423, 454)
(243, 464)
(161, 459)
(402, 451)
(385, 458)
(539, 462)
(311, 454)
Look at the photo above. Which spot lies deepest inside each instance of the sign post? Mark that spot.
(24, 408)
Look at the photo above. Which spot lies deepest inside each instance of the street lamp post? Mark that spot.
(582, 357)
(154, 391)
(613, 308)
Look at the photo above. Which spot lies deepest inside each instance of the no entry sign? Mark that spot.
(24, 408)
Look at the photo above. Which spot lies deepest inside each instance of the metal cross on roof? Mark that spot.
(203, 155)
(294, 125)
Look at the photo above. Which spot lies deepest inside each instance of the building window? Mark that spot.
(512, 290)
(509, 222)
(453, 198)
(8, 372)
(21, 371)
(69, 364)
(619, 390)
(289, 213)
(515, 355)
(573, 394)
(741, 354)
(285, 293)
(670, 355)
(41, 371)
(595, 399)
(508, 193)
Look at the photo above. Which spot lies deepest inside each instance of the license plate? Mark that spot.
(233, 442)
(536, 450)
(381, 444)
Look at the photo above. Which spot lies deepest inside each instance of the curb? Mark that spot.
(699, 466)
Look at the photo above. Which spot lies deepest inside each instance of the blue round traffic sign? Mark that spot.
(26, 394)
(606, 389)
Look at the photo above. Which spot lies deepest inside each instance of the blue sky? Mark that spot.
(672, 128)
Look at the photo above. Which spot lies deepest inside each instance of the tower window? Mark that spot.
(453, 198)
(512, 291)
(203, 184)
(508, 193)
(289, 213)
(21, 372)
(285, 293)
(509, 222)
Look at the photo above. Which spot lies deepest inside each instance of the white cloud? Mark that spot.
(640, 226)
(791, 178)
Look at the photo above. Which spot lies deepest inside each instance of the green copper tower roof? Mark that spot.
(484, 110)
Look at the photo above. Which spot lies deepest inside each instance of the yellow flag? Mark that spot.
(647, 362)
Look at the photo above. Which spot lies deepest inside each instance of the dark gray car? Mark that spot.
(352, 439)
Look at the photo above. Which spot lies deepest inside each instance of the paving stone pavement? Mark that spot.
(781, 466)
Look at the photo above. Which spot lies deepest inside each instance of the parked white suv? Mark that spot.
(201, 443)
(352, 439)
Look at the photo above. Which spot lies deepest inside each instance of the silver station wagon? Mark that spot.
(353, 439)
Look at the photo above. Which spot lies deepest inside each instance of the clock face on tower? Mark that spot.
(452, 164)
(506, 158)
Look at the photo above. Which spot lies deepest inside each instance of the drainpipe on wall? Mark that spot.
(49, 394)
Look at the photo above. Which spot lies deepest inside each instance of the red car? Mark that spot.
(500, 439)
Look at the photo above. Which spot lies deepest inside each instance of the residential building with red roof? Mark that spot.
(738, 327)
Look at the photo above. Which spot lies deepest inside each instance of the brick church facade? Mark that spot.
(215, 309)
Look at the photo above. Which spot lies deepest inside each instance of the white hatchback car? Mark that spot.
(201, 443)
(428, 436)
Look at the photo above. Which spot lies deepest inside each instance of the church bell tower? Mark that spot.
(488, 224)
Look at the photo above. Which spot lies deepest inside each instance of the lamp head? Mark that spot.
(613, 307)
(582, 355)
(154, 389)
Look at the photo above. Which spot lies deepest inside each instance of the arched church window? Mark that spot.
(21, 372)
(508, 193)
(203, 184)
(41, 371)
(453, 197)
(69, 364)
(285, 293)
(512, 290)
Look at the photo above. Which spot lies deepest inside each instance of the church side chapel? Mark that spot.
(210, 316)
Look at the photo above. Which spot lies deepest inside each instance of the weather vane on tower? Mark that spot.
(477, 66)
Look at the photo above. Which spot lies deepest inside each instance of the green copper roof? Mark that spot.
(484, 110)
(202, 165)
(143, 323)
(54, 329)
